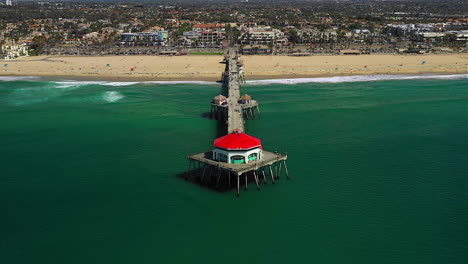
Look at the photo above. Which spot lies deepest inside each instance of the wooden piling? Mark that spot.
(264, 177)
(238, 184)
(203, 174)
(279, 170)
(219, 177)
(246, 181)
(286, 169)
(256, 180)
(272, 176)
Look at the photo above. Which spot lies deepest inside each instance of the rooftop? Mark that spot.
(237, 141)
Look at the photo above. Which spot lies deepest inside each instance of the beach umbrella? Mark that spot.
(424, 62)
(108, 65)
(5, 65)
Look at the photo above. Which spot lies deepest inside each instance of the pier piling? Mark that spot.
(256, 180)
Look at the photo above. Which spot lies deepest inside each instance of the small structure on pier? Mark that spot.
(245, 99)
(219, 100)
(237, 148)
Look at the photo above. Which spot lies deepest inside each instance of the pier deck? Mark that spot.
(238, 169)
(235, 118)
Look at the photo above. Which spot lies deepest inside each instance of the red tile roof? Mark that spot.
(237, 141)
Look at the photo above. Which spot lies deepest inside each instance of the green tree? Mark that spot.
(293, 36)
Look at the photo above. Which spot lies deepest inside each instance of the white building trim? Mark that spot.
(219, 153)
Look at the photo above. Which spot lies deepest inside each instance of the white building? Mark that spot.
(10, 50)
(315, 35)
(263, 36)
(237, 148)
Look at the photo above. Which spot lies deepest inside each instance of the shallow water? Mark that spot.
(379, 172)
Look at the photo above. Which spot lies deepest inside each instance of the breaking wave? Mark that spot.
(112, 96)
(19, 78)
(69, 84)
(336, 79)
(354, 78)
(180, 82)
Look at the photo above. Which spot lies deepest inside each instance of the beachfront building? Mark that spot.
(462, 35)
(313, 35)
(256, 49)
(263, 36)
(156, 37)
(11, 50)
(211, 37)
(441, 36)
(204, 35)
(206, 38)
(206, 27)
(237, 148)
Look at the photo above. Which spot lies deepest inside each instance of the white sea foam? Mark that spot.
(68, 84)
(118, 83)
(18, 78)
(355, 78)
(112, 96)
(179, 82)
(336, 79)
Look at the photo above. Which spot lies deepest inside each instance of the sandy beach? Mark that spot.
(206, 67)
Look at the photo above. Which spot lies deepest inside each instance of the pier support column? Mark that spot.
(188, 170)
(286, 169)
(279, 170)
(256, 180)
(238, 184)
(272, 176)
(219, 177)
(246, 181)
(211, 170)
(203, 174)
(229, 179)
(264, 177)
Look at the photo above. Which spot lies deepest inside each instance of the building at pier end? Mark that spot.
(237, 148)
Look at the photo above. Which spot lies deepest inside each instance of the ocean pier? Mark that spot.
(235, 156)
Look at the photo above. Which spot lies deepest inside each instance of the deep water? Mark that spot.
(88, 174)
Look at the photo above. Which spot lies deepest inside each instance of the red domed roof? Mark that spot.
(237, 140)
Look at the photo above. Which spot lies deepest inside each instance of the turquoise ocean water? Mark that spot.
(379, 167)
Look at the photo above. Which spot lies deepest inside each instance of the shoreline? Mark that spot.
(258, 80)
(208, 68)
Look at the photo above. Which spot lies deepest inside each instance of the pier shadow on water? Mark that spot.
(218, 180)
(221, 125)
(221, 182)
